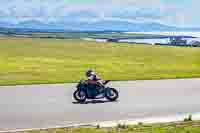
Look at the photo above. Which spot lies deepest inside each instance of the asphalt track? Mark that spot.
(41, 106)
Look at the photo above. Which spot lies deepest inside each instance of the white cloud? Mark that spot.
(174, 13)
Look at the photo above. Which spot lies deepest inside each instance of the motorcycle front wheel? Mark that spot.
(111, 94)
(79, 96)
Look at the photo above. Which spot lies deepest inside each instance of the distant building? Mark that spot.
(195, 43)
(112, 40)
(177, 41)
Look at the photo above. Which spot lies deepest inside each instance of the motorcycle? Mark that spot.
(83, 92)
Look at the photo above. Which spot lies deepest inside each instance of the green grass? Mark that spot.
(33, 61)
(181, 127)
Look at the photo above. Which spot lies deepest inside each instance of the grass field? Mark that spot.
(33, 61)
(180, 127)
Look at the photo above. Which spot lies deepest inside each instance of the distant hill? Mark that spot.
(95, 26)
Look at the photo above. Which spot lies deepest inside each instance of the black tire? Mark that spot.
(79, 98)
(113, 91)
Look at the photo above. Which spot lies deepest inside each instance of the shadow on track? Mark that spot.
(94, 102)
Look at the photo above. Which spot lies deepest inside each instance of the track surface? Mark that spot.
(41, 106)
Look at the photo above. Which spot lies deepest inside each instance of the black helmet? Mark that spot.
(88, 72)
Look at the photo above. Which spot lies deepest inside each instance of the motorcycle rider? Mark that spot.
(93, 81)
(92, 77)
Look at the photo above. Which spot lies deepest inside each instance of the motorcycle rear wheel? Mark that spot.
(79, 96)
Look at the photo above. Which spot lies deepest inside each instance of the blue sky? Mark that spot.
(182, 13)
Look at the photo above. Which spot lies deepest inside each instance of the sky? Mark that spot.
(181, 13)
